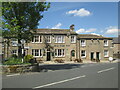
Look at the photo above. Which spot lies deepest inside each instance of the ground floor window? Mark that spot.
(59, 52)
(14, 52)
(105, 53)
(83, 53)
(73, 53)
(37, 52)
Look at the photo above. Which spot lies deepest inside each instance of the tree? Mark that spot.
(20, 19)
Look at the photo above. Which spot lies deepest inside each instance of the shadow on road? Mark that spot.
(53, 67)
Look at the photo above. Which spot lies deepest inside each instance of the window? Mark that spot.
(14, 42)
(73, 53)
(59, 39)
(37, 39)
(83, 43)
(73, 39)
(105, 53)
(48, 39)
(105, 42)
(59, 52)
(37, 52)
(14, 52)
(40, 38)
(83, 53)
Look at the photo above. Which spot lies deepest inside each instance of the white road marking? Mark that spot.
(60, 82)
(12, 75)
(105, 70)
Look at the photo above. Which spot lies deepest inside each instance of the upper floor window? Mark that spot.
(37, 52)
(73, 39)
(83, 53)
(37, 39)
(59, 52)
(14, 42)
(59, 39)
(105, 53)
(48, 39)
(83, 43)
(105, 42)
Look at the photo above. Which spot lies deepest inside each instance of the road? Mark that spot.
(99, 75)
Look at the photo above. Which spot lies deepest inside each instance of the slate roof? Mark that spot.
(55, 31)
(116, 40)
(92, 36)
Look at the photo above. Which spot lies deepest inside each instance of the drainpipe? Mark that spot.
(76, 49)
(79, 49)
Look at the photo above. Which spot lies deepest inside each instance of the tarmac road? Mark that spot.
(97, 75)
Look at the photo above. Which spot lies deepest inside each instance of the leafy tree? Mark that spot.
(20, 19)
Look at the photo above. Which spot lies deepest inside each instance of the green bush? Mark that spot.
(13, 61)
(14, 55)
(27, 58)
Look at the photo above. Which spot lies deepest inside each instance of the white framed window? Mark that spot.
(73, 39)
(14, 52)
(59, 52)
(14, 42)
(73, 53)
(37, 52)
(37, 39)
(59, 39)
(40, 39)
(83, 43)
(106, 53)
(48, 38)
(105, 42)
(83, 53)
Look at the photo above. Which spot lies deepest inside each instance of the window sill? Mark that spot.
(37, 56)
(106, 56)
(59, 56)
(14, 45)
(73, 42)
(83, 46)
(36, 42)
(83, 57)
(59, 43)
(105, 45)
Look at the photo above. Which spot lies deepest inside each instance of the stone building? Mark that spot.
(94, 47)
(116, 47)
(65, 44)
(51, 44)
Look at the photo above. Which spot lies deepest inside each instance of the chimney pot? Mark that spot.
(72, 27)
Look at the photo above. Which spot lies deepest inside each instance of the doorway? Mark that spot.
(98, 55)
(92, 55)
(48, 55)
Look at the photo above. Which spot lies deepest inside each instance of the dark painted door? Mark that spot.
(97, 55)
(92, 55)
(48, 55)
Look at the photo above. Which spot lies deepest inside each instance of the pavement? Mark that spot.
(72, 62)
(98, 75)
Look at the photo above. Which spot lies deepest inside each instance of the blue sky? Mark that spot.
(88, 17)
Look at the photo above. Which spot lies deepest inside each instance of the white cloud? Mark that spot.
(81, 12)
(96, 34)
(91, 30)
(101, 31)
(82, 30)
(57, 26)
(111, 30)
(47, 27)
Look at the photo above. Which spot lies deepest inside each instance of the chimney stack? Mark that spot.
(72, 27)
